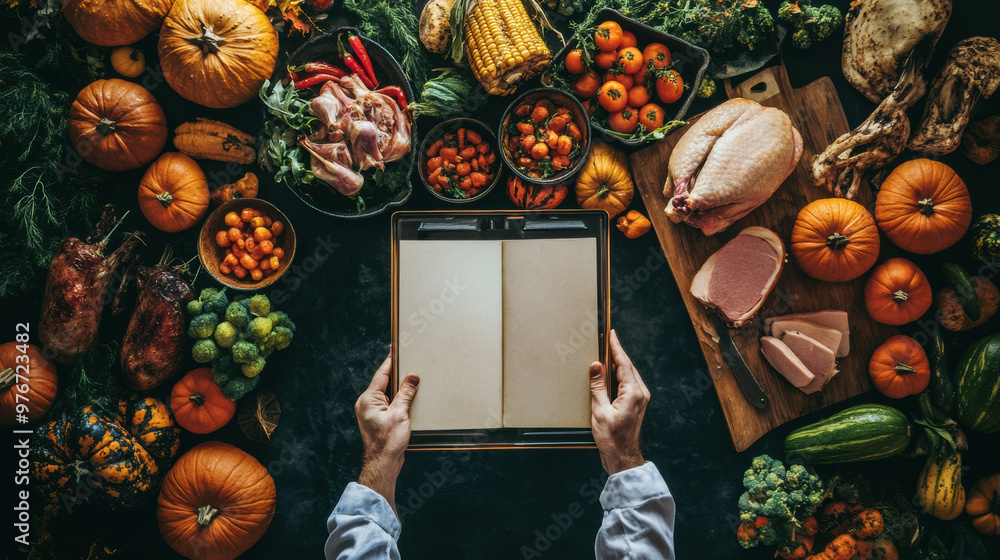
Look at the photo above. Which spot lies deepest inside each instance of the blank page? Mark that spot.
(451, 332)
(549, 331)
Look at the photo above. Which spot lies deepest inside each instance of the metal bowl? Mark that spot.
(211, 254)
(559, 98)
(442, 129)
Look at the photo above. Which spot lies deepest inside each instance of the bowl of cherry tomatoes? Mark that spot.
(630, 78)
(246, 244)
(545, 136)
(458, 162)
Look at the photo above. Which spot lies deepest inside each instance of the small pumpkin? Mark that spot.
(216, 502)
(119, 454)
(173, 194)
(605, 182)
(29, 370)
(217, 52)
(198, 403)
(939, 486)
(535, 197)
(117, 125)
(986, 239)
(897, 292)
(245, 187)
(983, 505)
(835, 240)
(899, 367)
(110, 23)
(923, 207)
(953, 316)
(128, 61)
(981, 141)
(634, 224)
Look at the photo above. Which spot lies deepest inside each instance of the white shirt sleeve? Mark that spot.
(362, 526)
(638, 517)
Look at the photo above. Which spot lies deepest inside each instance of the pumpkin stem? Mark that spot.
(208, 40)
(926, 206)
(197, 398)
(205, 515)
(900, 296)
(165, 198)
(6, 378)
(603, 189)
(106, 126)
(134, 55)
(837, 241)
(903, 369)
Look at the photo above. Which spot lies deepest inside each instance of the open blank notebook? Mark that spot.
(501, 332)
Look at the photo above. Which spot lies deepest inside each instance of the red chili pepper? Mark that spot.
(315, 80)
(362, 54)
(353, 65)
(397, 93)
(325, 68)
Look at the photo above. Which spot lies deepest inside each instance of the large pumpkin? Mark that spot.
(28, 370)
(900, 368)
(897, 292)
(835, 240)
(173, 194)
(923, 207)
(117, 125)
(217, 52)
(605, 182)
(198, 403)
(215, 503)
(110, 23)
(983, 505)
(117, 456)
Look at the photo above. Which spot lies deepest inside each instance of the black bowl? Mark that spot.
(448, 126)
(691, 60)
(558, 97)
(318, 196)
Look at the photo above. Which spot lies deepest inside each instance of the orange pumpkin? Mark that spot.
(110, 23)
(835, 240)
(983, 505)
(117, 125)
(173, 194)
(198, 403)
(923, 207)
(899, 368)
(38, 380)
(215, 503)
(217, 52)
(897, 292)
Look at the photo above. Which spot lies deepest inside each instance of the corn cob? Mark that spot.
(208, 139)
(503, 46)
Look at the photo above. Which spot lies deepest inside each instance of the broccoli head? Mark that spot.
(237, 315)
(778, 495)
(811, 23)
(223, 370)
(244, 352)
(202, 326)
(707, 88)
(802, 39)
(279, 339)
(205, 351)
(260, 305)
(259, 328)
(281, 319)
(239, 386)
(215, 302)
(825, 21)
(194, 307)
(253, 368)
(226, 334)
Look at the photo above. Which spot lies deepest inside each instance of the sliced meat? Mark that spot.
(833, 318)
(781, 358)
(817, 357)
(826, 336)
(737, 278)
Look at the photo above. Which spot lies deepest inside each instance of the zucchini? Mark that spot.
(861, 433)
(960, 280)
(941, 389)
(977, 386)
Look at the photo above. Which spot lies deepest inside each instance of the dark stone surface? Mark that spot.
(494, 504)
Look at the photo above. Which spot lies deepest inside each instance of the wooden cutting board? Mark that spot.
(816, 112)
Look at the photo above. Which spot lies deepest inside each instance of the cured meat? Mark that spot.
(153, 349)
(819, 359)
(737, 278)
(832, 318)
(826, 336)
(781, 357)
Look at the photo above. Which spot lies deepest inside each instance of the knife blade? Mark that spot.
(741, 371)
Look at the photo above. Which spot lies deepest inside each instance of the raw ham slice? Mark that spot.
(817, 358)
(780, 356)
(829, 337)
(832, 318)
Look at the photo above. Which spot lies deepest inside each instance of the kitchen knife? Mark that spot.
(744, 377)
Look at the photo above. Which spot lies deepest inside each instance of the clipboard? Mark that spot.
(506, 226)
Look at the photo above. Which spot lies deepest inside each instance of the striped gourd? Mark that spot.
(939, 488)
(977, 386)
(502, 45)
(861, 433)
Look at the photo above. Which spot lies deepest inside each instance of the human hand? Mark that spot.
(616, 424)
(385, 430)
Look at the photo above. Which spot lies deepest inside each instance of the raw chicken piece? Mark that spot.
(398, 144)
(329, 107)
(729, 163)
(832, 318)
(829, 337)
(364, 139)
(341, 178)
(781, 357)
(818, 358)
(331, 151)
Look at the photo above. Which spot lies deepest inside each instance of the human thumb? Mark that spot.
(598, 386)
(407, 391)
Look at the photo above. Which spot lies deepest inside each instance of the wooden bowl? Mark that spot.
(211, 254)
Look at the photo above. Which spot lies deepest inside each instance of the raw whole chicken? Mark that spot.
(729, 163)
(971, 72)
(879, 36)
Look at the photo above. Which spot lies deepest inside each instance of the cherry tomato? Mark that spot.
(630, 60)
(613, 96)
(574, 61)
(670, 87)
(623, 79)
(624, 121)
(638, 96)
(605, 60)
(587, 86)
(608, 36)
(628, 39)
(651, 116)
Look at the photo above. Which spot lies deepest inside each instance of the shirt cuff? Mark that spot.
(361, 501)
(633, 487)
